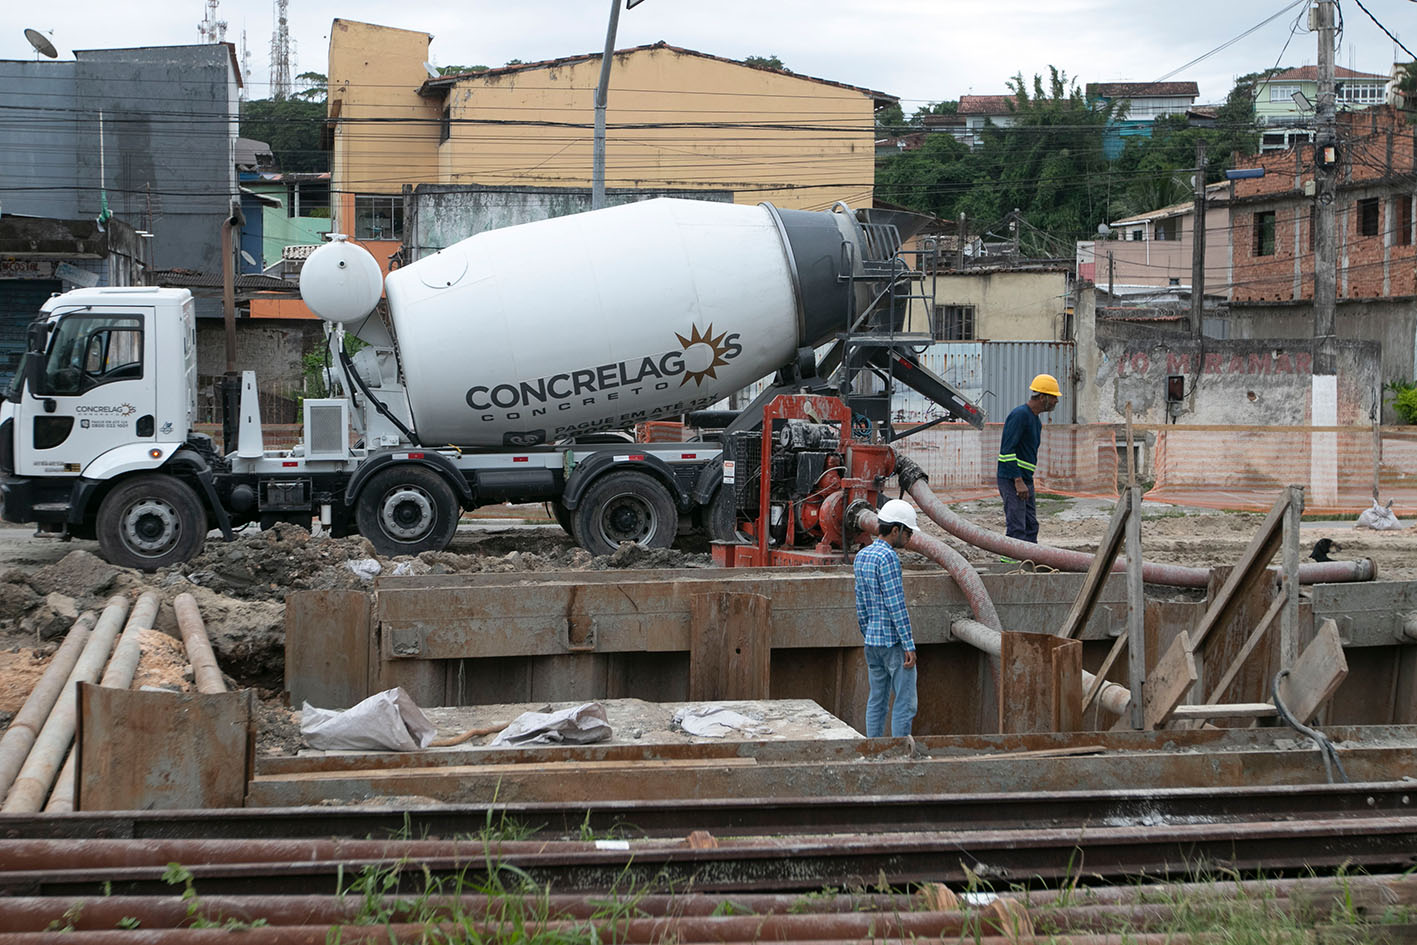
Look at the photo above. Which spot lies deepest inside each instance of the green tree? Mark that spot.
(1048, 164)
(933, 178)
(890, 120)
(1407, 86)
(316, 86)
(292, 129)
(934, 108)
(771, 63)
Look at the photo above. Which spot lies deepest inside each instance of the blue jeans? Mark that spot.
(1020, 515)
(885, 668)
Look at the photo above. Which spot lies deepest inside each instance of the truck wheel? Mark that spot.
(407, 510)
(151, 522)
(625, 506)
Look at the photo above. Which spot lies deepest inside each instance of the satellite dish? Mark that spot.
(1103, 230)
(431, 69)
(250, 260)
(41, 44)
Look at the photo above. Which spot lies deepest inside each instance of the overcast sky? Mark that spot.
(919, 50)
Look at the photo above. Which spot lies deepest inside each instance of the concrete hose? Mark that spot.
(914, 481)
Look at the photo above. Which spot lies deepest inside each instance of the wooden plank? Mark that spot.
(1101, 675)
(1289, 618)
(1254, 638)
(327, 635)
(1168, 682)
(1136, 610)
(1230, 710)
(160, 750)
(1029, 686)
(1097, 571)
(1252, 564)
(1316, 674)
(730, 650)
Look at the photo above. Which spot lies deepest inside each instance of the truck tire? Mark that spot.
(150, 522)
(406, 510)
(563, 517)
(625, 506)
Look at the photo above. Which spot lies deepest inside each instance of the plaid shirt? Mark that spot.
(880, 597)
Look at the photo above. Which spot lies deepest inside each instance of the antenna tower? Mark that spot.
(280, 54)
(211, 29)
(245, 64)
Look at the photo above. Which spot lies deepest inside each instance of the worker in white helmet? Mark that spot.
(885, 625)
(1018, 458)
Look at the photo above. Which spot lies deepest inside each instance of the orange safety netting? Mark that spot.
(962, 462)
(1245, 468)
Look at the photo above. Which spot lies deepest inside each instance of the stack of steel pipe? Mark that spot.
(1087, 915)
(25, 726)
(122, 667)
(46, 755)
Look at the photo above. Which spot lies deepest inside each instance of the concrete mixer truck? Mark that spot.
(498, 371)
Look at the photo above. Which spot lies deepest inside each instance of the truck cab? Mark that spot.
(107, 388)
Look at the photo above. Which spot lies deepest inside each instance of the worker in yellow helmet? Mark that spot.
(1018, 457)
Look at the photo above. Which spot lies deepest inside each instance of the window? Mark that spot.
(1313, 226)
(445, 125)
(1264, 233)
(307, 199)
(1167, 229)
(1137, 235)
(1173, 280)
(378, 217)
(1361, 93)
(1368, 217)
(1282, 93)
(1404, 221)
(88, 351)
(954, 322)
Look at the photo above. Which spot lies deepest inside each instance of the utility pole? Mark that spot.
(1198, 246)
(959, 243)
(597, 171)
(1323, 402)
(1326, 164)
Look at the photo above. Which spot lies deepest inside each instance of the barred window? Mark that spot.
(1264, 233)
(954, 322)
(1368, 213)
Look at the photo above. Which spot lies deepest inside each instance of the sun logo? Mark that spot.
(702, 353)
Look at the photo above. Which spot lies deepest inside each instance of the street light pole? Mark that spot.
(597, 173)
(1326, 161)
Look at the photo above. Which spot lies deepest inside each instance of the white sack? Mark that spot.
(716, 721)
(389, 720)
(1380, 518)
(579, 725)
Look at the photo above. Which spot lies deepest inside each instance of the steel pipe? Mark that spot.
(205, 672)
(1114, 698)
(31, 786)
(915, 482)
(122, 667)
(25, 726)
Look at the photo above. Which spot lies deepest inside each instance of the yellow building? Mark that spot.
(675, 119)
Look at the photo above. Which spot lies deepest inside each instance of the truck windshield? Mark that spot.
(88, 350)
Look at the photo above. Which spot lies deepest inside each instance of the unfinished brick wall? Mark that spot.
(1271, 217)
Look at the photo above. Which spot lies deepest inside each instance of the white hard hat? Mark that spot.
(898, 512)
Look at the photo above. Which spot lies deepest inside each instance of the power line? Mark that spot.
(1384, 29)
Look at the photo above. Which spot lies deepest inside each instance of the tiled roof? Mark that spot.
(447, 81)
(1140, 89)
(190, 279)
(1311, 74)
(985, 104)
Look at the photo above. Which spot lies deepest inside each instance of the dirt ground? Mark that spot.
(240, 587)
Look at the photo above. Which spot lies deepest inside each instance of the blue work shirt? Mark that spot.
(880, 597)
(1018, 447)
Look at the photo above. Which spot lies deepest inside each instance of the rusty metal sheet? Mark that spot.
(159, 750)
(730, 655)
(810, 609)
(327, 636)
(1367, 614)
(899, 774)
(1041, 683)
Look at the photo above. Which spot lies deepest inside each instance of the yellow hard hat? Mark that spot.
(1045, 384)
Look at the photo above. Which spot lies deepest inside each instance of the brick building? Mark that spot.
(1272, 244)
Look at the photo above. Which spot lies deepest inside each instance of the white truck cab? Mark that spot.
(107, 388)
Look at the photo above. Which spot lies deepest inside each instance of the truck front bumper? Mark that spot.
(26, 501)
